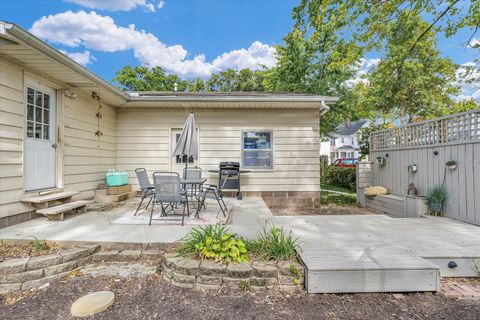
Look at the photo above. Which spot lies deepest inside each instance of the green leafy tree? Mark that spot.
(232, 80)
(148, 79)
(318, 58)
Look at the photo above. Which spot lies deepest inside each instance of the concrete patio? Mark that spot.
(348, 253)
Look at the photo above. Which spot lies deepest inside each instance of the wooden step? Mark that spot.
(45, 201)
(57, 212)
(336, 274)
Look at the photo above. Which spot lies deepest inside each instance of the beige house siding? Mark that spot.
(11, 139)
(81, 160)
(144, 140)
(85, 158)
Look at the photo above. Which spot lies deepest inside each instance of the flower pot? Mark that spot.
(380, 161)
(452, 167)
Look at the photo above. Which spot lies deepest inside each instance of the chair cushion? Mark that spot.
(375, 191)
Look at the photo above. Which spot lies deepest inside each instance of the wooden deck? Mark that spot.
(377, 253)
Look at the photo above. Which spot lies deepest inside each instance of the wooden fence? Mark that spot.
(429, 145)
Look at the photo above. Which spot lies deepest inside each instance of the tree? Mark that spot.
(232, 80)
(318, 58)
(148, 79)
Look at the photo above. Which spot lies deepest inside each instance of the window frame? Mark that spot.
(271, 149)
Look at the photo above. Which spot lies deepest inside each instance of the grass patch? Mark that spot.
(274, 243)
(326, 186)
(330, 198)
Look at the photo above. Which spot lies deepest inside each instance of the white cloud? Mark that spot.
(100, 33)
(468, 77)
(114, 5)
(364, 66)
(160, 4)
(82, 58)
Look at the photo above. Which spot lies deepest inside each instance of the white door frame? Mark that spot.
(52, 92)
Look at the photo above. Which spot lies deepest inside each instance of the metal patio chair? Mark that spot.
(168, 194)
(213, 192)
(192, 173)
(145, 186)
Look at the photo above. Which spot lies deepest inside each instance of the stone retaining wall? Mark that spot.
(33, 272)
(189, 273)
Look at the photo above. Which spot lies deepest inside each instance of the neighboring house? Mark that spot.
(48, 123)
(343, 142)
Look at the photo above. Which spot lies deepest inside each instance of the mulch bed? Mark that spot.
(323, 210)
(152, 298)
(29, 250)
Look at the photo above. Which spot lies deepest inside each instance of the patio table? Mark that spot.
(197, 184)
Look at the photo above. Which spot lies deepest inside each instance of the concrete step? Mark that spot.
(334, 274)
(46, 201)
(57, 212)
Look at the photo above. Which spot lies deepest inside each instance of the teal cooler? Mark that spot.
(117, 178)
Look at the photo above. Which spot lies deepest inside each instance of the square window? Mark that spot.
(46, 133)
(257, 149)
(38, 131)
(46, 118)
(38, 115)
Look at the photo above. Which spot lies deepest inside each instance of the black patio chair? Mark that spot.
(213, 192)
(168, 194)
(145, 186)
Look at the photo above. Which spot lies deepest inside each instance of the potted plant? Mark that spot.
(451, 164)
(380, 161)
(413, 167)
(435, 199)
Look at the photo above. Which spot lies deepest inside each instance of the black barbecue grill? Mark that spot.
(229, 177)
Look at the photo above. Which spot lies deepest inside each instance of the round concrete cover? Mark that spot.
(92, 303)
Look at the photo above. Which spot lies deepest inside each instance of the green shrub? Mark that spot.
(323, 168)
(39, 245)
(342, 177)
(274, 244)
(215, 243)
(436, 195)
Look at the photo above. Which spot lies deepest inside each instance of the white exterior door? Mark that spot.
(40, 147)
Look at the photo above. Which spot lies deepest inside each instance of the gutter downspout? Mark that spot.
(323, 108)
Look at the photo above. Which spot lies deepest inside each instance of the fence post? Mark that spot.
(364, 179)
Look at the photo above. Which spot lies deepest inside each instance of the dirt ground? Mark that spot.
(152, 298)
(33, 249)
(323, 210)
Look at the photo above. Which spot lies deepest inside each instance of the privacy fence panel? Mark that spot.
(429, 145)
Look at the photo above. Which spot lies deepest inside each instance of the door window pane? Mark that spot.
(38, 115)
(257, 149)
(46, 101)
(30, 112)
(38, 98)
(30, 95)
(46, 118)
(46, 133)
(30, 129)
(38, 131)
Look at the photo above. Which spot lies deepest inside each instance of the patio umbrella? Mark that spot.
(187, 143)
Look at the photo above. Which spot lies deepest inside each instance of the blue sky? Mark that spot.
(190, 38)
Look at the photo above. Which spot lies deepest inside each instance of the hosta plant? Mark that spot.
(214, 242)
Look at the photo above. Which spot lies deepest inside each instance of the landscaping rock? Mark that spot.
(92, 248)
(290, 268)
(24, 276)
(167, 273)
(289, 288)
(13, 265)
(209, 280)
(239, 270)
(129, 255)
(92, 303)
(235, 283)
(187, 266)
(120, 269)
(84, 261)
(264, 270)
(59, 268)
(44, 261)
(39, 282)
(172, 259)
(208, 287)
(9, 287)
(75, 254)
(152, 254)
(105, 256)
(211, 268)
(290, 280)
(263, 282)
(184, 281)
